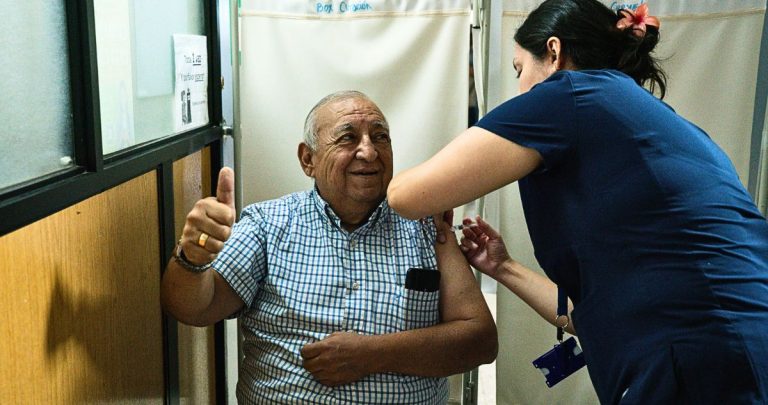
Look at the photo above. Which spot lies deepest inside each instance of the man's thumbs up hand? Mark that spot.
(209, 224)
(225, 192)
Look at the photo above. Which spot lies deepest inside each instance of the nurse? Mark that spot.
(633, 211)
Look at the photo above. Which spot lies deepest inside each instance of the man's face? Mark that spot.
(352, 165)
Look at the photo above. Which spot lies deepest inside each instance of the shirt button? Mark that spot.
(355, 285)
(352, 243)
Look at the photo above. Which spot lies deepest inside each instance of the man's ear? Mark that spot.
(305, 159)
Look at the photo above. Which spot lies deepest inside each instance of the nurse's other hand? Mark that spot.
(483, 247)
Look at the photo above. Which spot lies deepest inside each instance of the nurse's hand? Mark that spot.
(483, 247)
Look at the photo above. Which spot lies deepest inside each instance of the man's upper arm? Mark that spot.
(460, 295)
(241, 264)
(226, 302)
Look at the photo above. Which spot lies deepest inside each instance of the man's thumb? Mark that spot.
(225, 190)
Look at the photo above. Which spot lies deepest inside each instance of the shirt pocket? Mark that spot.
(420, 309)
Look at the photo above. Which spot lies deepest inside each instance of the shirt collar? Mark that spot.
(325, 208)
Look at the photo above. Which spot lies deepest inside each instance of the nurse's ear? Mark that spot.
(555, 58)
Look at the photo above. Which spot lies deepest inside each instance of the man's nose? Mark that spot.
(366, 150)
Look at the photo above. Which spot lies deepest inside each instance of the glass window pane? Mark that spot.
(35, 106)
(134, 44)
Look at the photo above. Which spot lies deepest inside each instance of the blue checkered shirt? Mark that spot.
(303, 277)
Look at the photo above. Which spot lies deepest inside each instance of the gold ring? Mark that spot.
(202, 239)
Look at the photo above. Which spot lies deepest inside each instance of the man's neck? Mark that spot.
(354, 217)
(353, 214)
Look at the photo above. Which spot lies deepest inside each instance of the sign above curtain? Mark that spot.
(351, 8)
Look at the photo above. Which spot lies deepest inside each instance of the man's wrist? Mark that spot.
(376, 361)
(181, 260)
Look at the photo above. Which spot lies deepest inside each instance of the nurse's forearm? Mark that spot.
(539, 292)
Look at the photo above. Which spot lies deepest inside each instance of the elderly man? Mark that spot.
(320, 279)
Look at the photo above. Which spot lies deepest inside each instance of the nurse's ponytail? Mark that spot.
(641, 34)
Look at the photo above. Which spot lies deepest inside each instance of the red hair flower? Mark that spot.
(637, 19)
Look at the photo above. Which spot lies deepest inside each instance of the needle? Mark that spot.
(462, 226)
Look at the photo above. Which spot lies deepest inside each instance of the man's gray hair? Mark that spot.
(310, 123)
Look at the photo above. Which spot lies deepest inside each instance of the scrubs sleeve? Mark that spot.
(544, 119)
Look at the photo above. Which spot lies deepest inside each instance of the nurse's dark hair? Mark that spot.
(590, 39)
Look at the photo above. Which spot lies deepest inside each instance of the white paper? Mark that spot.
(190, 102)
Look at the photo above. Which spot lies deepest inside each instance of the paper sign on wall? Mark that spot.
(190, 103)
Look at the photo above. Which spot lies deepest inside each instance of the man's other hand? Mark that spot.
(340, 358)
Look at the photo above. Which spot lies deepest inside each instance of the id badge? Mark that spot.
(563, 360)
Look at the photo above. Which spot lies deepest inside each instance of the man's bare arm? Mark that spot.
(204, 298)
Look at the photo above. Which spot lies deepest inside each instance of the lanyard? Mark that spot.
(566, 357)
(562, 311)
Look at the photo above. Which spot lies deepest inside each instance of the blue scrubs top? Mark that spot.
(642, 219)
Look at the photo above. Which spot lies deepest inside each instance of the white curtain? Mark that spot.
(711, 51)
(410, 57)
